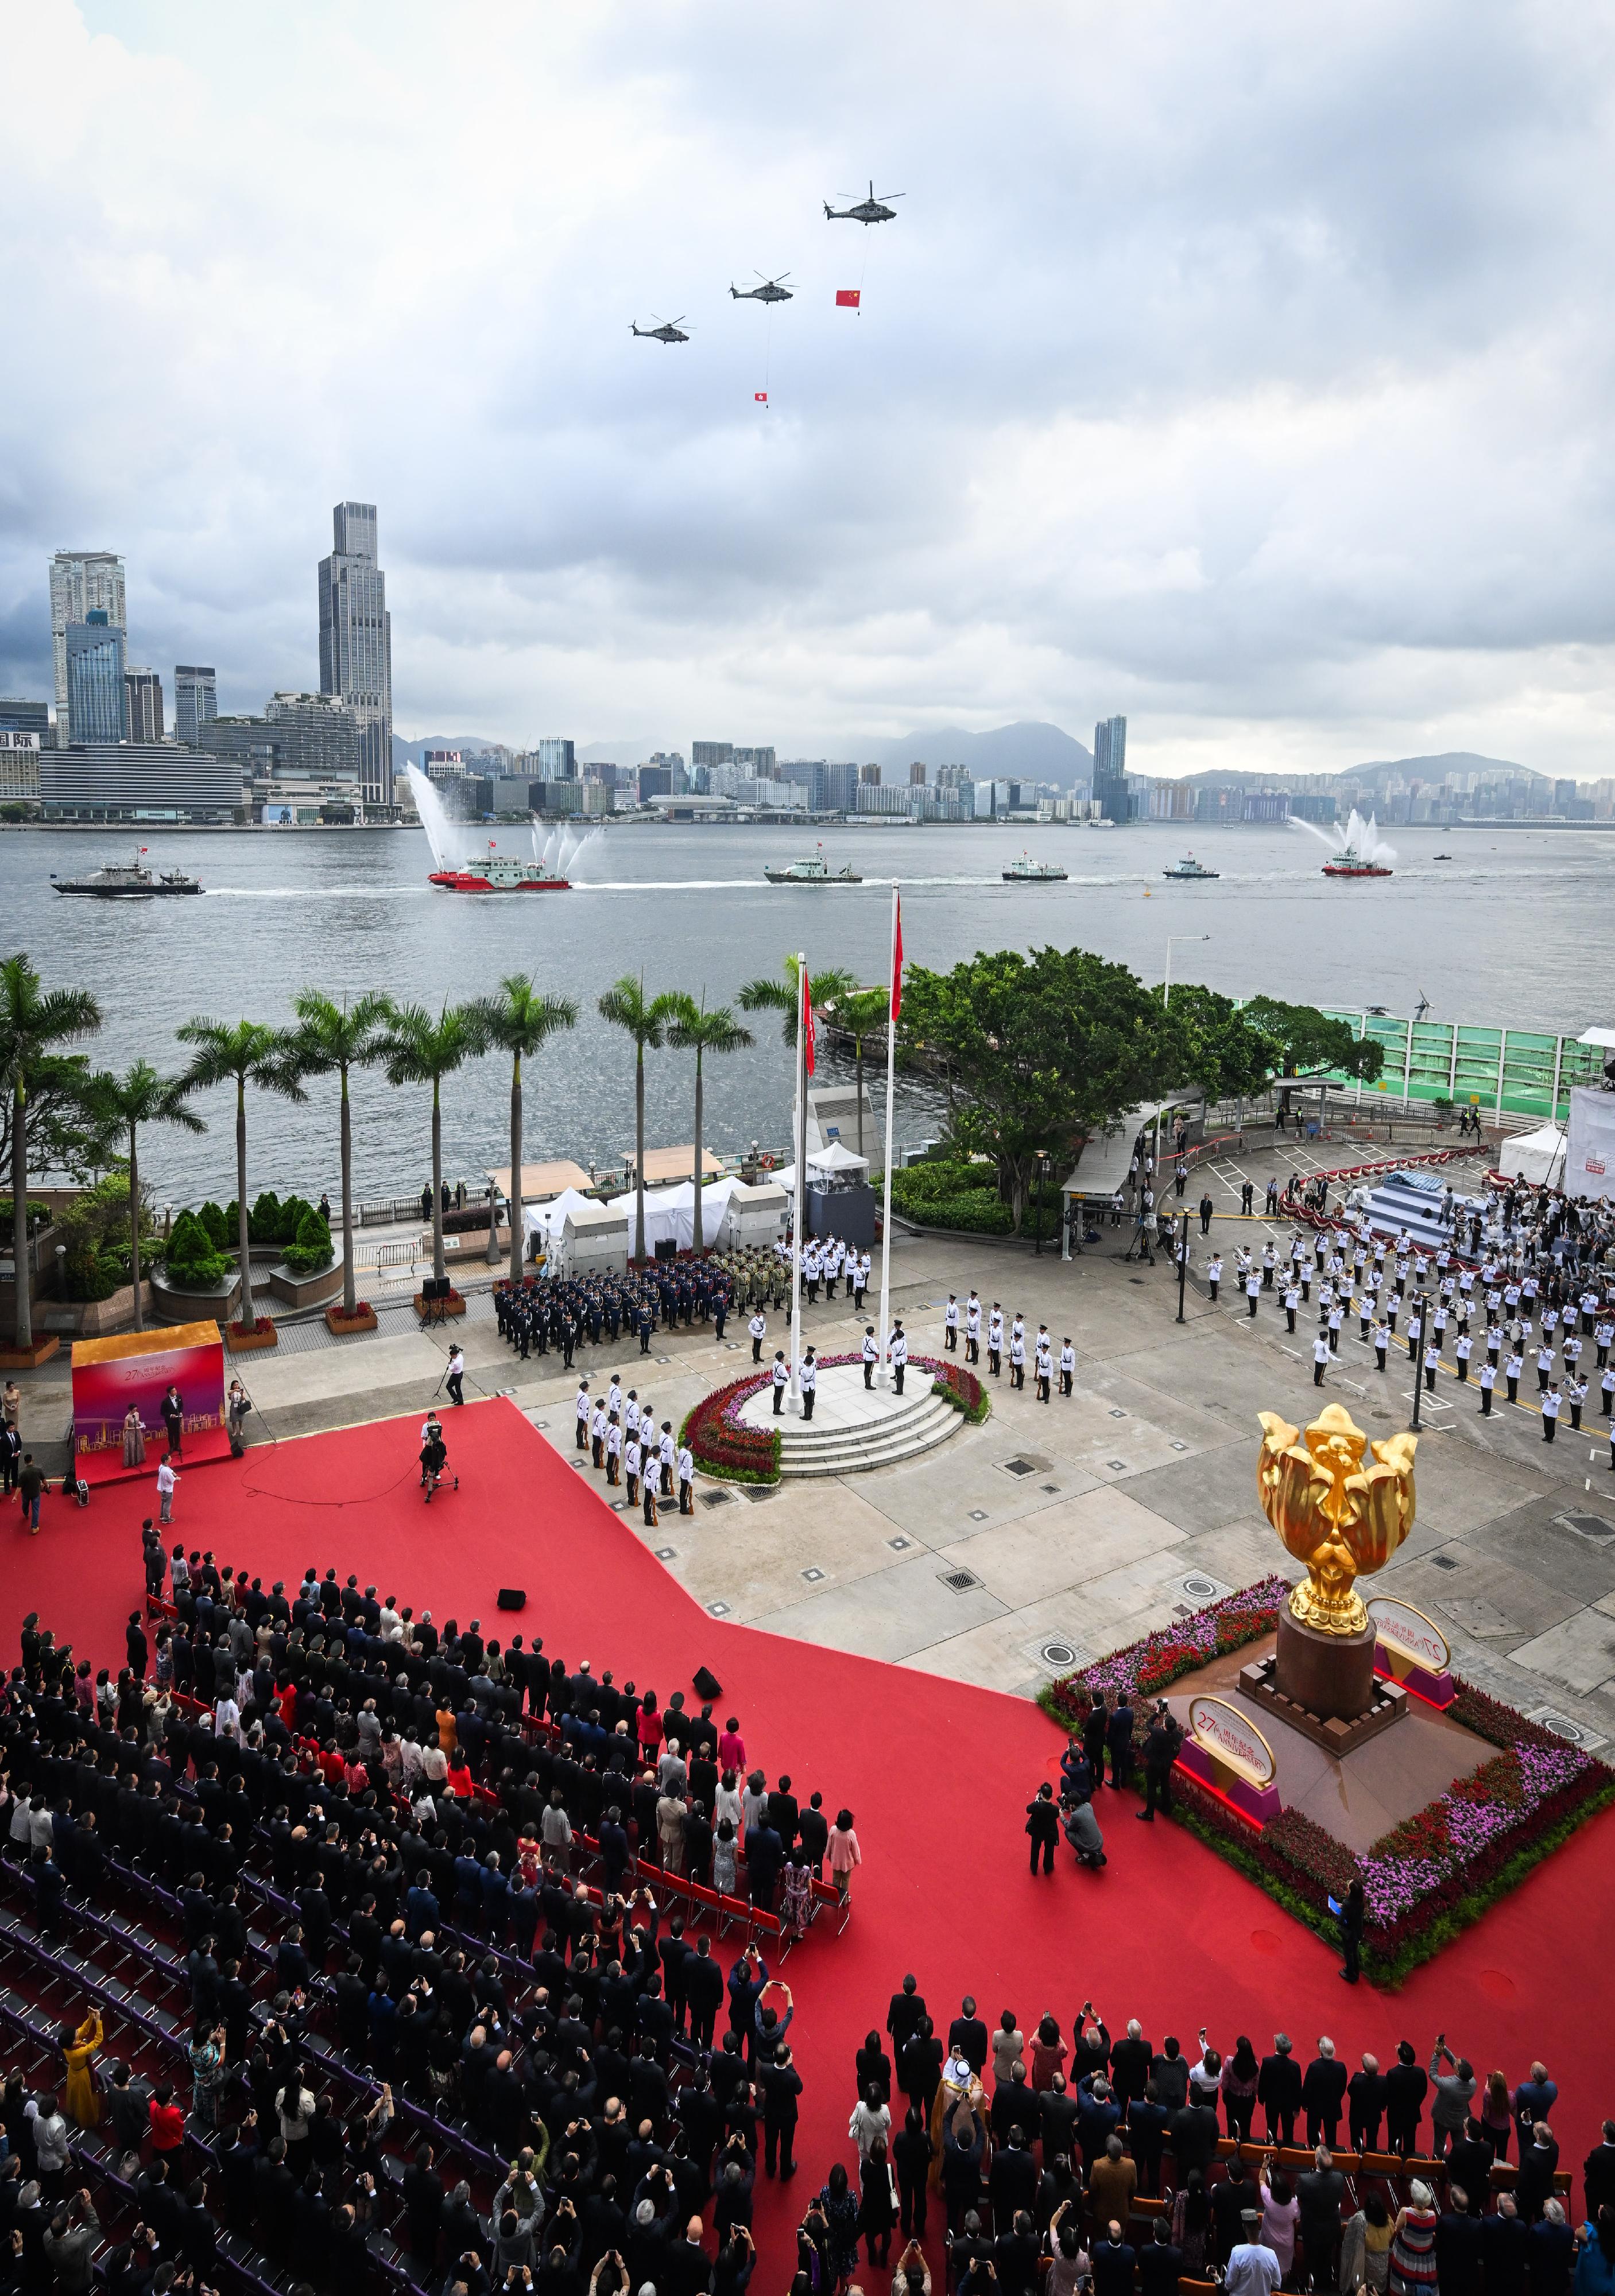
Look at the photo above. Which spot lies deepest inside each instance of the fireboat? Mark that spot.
(1350, 863)
(501, 873)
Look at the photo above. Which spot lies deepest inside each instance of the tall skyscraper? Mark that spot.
(95, 700)
(557, 760)
(195, 702)
(916, 774)
(1110, 768)
(355, 641)
(144, 704)
(82, 582)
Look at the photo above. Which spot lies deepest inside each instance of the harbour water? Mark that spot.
(1516, 929)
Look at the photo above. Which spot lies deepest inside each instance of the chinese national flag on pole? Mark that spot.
(806, 1022)
(846, 298)
(761, 397)
(896, 958)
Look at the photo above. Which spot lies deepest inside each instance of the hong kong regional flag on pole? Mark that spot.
(806, 1022)
(897, 959)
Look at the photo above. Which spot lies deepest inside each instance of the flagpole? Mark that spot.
(884, 1373)
(799, 1144)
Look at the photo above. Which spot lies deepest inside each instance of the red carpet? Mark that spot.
(938, 1776)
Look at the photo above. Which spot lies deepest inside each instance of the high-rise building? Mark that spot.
(1110, 768)
(869, 777)
(954, 777)
(318, 735)
(83, 582)
(443, 765)
(916, 774)
(557, 760)
(195, 702)
(711, 753)
(20, 716)
(96, 701)
(761, 764)
(144, 704)
(355, 641)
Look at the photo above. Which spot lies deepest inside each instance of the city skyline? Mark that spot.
(1245, 382)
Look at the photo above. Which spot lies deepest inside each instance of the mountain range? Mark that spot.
(1029, 750)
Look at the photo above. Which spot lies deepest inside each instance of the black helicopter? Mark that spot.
(770, 291)
(667, 331)
(869, 211)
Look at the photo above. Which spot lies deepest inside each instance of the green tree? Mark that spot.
(520, 1020)
(33, 1020)
(1307, 1042)
(644, 1019)
(334, 1040)
(242, 1053)
(860, 1012)
(696, 1030)
(1228, 1053)
(419, 1050)
(125, 1102)
(1045, 1051)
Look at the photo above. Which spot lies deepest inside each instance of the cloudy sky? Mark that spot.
(1244, 369)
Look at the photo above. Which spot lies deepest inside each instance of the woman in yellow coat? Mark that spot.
(83, 2104)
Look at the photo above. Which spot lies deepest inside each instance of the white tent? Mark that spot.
(836, 1158)
(670, 1213)
(1536, 1156)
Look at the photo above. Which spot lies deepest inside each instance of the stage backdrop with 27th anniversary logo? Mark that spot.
(138, 1367)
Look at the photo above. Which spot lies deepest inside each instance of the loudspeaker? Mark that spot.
(667, 1249)
(707, 1683)
(512, 1598)
(435, 1287)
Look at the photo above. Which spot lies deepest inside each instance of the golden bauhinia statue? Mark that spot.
(1337, 1512)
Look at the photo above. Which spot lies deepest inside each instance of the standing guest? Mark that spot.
(1280, 2213)
(30, 1489)
(167, 1478)
(844, 1854)
(1412, 2246)
(1043, 1825)
(79, 2049)
(1454, 2092)
(174, 1419)
(1320, 2192)
(134, 1439)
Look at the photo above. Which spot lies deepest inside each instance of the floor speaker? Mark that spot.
(707, 1683)
(512, 1598)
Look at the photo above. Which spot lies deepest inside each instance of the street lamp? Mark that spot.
(1041, 1164)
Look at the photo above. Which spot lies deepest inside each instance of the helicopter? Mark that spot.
(770, 291)
(666, 331)
(869, 211)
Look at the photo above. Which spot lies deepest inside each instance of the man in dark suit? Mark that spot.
(967, 2036)
(1366, 2105)
(423, 2205)
(1324, 2094)
(1320, 2192)
(1130, 2063)
(1278, 2091)
(1406, 2086)
(1118, 1739)
(1459, 2245)
(903, 2015)
(1468, 2165)
(782, 2086)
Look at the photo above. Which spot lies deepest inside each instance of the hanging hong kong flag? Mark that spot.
(806, 1022)
(846, 298)
(896, 960)
(761, 397)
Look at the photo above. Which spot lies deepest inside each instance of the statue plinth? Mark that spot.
(1328, 1675)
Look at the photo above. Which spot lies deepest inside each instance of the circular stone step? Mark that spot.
(855, 1428)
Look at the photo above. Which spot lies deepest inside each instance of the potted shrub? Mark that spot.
(338, 1322)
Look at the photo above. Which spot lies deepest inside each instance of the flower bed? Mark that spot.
(340, 1323)
(1144, 1668)
(242, 1338)
(724, 1445)
(1431, 1875)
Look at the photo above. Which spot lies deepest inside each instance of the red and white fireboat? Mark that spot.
(501, 873)
(1351, 865)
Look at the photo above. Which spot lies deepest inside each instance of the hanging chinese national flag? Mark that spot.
(897, 962)
(846, 298)
(761, 397)
(806, 1022)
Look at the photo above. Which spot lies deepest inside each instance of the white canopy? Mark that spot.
(1536, 1156)
(670, 1213)
(837, 1158)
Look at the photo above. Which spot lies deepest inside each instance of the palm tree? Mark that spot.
(419, 1050)
(625, 1007)
(519, 1021)
(696, 1030)
(249, 1053)
(781, 992)
(860, 1012)
(333, 1040)
(32, 1019)
(123, 1103)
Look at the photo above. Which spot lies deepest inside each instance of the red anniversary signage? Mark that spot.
(1402, 1628)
